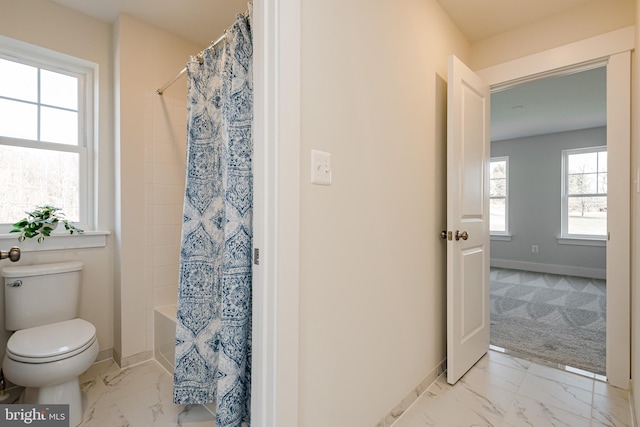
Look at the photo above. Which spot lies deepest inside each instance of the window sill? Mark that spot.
(582, 241)
(501, 237)
(57, 241)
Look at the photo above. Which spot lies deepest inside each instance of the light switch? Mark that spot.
(320, 167)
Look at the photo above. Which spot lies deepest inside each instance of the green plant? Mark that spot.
(41, 222)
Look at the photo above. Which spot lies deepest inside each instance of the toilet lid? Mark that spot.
(51, 342)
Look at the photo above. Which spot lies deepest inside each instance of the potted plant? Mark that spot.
(41, 222)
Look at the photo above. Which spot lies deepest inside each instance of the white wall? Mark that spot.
(151, 135)
(535, 171)
(49, 25)
(372, 270)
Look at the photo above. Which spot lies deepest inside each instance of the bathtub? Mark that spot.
(164, 348)
(164, 331)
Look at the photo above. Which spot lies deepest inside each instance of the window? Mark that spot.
(584, 193)
(499, 195)
(45, 133)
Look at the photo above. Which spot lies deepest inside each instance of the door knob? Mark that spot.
(464, 235)
(13, 254)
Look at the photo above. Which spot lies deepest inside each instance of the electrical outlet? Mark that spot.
(535, 249)
(320, 167)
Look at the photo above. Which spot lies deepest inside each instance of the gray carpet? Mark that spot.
(556, 318)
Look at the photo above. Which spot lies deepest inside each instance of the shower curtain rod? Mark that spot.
(184, 70)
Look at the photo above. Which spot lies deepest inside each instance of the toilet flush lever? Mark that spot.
(15, 284)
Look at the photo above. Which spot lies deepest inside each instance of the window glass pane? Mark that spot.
(602, 183)
(498, 169)
(58, 90)
(18, 81)
(583, 183)
(34, 177)
(583, 163)
(498, 188)
(602, 161)
(18, 119)
(41, 104)
(587, 215)
(59, 126)
(498, 213)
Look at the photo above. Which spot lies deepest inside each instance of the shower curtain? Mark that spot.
(213, 332)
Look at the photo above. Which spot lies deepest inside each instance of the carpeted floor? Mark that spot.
(557, 318)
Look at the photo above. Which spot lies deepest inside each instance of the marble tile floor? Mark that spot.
(499, 391)
(505, 391)
(137, 396)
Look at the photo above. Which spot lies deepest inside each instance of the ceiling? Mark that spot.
(544, 106)
(479, 20)
(203, 20)
(200, 21)
(554, 104)
(550, 105)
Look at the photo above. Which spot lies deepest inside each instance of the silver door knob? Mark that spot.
(13, 254)
(464, 235)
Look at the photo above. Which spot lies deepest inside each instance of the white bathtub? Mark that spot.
(164, 331)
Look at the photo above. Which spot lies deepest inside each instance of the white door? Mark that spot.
(468, 153)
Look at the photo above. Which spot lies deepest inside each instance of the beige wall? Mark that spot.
(592, 19)
(372, 285)
(150, 151)
(46, 24)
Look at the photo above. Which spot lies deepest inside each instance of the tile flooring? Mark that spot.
(138, 396)
(500, 391)
(504, 391)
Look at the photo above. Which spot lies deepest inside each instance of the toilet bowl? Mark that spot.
(48, 359)
(51, 346)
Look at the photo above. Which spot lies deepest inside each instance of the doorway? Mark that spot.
(615, 50)
(549, 218)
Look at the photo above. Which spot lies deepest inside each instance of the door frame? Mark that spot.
(615, 49)
(276, 233)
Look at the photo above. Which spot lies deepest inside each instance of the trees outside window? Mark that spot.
(499, 195)
(584, 207)
(46, 134)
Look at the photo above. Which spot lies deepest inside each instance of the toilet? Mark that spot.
(51, 346)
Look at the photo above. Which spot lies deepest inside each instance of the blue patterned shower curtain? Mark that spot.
(213, 333)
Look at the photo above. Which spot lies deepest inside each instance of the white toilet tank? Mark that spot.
(36, 295)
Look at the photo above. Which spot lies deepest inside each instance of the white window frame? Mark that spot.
(506, 232)
(565, 236)
(86, 72)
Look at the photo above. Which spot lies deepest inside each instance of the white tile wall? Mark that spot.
(165, 153)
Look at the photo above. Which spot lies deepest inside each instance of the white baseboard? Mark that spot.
(414, 395)
(569, 270)
(632, 403)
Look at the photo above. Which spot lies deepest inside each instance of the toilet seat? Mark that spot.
(49, 343)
